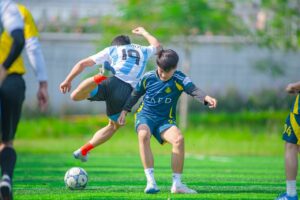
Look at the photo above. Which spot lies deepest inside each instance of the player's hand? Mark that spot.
(42, 96)
(139, 31)
(121, 119)
(65, 86)
(290, 88)
(3, 74)
(212, 102)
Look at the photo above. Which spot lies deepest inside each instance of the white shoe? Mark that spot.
(183, 189)
(78, 155)
(151, 188)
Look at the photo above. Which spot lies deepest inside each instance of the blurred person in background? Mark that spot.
(19, 29)
(128, 62)
(291, 135)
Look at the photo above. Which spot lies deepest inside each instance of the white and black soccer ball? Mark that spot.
(76, 178)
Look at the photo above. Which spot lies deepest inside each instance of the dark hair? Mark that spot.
(120, 40)
(167, 59)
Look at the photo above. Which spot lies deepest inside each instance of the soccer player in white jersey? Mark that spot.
(12, 23)
(128, 62)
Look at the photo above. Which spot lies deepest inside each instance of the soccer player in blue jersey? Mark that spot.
(157, 115)
(128, 62)
(291, 135)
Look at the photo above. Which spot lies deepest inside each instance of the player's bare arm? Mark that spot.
(65, 86)
(293, 87)
(150, 38)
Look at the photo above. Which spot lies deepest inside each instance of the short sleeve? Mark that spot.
(183, 82)
(101, 57)
(187, 83)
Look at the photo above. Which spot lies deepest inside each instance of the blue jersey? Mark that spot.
(128, 61)
(161, 97)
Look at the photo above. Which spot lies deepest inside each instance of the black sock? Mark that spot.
(8, 161)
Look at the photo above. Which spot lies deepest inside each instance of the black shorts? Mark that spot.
(115, 93)
(12, 95)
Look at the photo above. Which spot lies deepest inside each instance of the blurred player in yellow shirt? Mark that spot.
(33, 51)
(12, 88)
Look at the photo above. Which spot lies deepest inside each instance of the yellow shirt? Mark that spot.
(30, 30)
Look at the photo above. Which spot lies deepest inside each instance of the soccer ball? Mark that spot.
(76, 178)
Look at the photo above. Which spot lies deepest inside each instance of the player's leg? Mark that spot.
(84, 89)
(88, 89)
(8, 161)
(87, 86)
(104, 134)
(146, 155)
(144, 146)
(290, 135)
(291, 167)
(100, 137)
(12, 97)
(114, 92)
(173, 136)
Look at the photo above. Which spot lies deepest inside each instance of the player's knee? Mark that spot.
(144, 137)
(74, 95)
(6, 144)
(116, 127)
(79, 95)
(113, 126)
(179, 140)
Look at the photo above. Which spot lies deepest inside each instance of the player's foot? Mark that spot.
(151, 188)
(5, 188)
(183, 189)
(284, 196)
(78, 155)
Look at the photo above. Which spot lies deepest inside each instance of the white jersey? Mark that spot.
(128, 61)
(10, 18)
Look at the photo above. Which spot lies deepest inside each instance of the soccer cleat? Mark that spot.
(151, 188)
(5, 188)
(183, 189)
(284, 196)
(78, 155)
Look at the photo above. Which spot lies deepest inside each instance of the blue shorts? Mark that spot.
(291, 132)
(156, 125)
